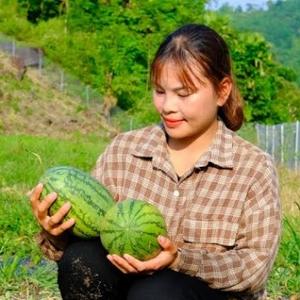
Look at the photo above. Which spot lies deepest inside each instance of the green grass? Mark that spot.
(285, 277)
(25, 274)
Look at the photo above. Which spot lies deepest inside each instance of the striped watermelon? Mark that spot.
(132, 227)
(89, 199)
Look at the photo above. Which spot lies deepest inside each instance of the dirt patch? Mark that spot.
(91, 286)
(32, 106)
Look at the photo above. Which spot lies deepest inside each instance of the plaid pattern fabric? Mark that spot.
(223, 214)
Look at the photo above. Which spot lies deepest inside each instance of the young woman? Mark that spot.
(217, 192)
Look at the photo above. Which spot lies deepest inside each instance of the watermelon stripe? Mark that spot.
(115, 240)
(132, 226)
(81, 215)
(80, 218)
(120, 212)
(89, 199)
(157, 224)
(154, 234)
(115, 223)
(148, 214)
(138, 245)
(91, 182)
(139, 209)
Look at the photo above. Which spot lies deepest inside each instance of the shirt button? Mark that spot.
(176, 193)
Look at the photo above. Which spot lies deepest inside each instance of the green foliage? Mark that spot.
(280, 25)
(23, 159)
(110, 44)
(286, 274)
(126, 35)
(22, 269)
(37, 10)
(257, 77)
(29, 156)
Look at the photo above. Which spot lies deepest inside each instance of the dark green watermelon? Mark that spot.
(89, 199)
(132, 227)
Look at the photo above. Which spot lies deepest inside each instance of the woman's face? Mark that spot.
(187, 115)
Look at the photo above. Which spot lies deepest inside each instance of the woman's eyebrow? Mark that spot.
(175, 89)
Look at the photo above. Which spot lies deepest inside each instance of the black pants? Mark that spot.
(84, 273)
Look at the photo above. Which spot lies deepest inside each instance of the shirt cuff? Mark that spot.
(52, 248)
(184, 264)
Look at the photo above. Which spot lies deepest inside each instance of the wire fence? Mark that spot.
(23, 57)
(282, 141)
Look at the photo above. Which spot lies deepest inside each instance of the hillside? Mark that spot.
(284, 38)
(109, 45)
(32, 106)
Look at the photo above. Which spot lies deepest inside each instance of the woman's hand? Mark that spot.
(130, 265)
(54, 225)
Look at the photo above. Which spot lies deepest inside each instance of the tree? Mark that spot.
(110, 43)
(37, 10)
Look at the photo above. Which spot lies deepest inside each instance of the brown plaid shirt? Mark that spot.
(223, 214)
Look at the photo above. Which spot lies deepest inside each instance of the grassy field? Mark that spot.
(25, 274)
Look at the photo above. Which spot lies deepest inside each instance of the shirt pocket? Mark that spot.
(213, 231)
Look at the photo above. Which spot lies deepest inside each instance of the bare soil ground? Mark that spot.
(31, 106)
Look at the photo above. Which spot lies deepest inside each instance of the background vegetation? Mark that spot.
(279, 24)
(24, 274)
(109, 44)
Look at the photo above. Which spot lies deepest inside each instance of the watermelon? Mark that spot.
(132, 227)
(89, 199)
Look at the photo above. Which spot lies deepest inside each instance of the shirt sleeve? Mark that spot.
(246, 266)
(104, 171)
(52, 247)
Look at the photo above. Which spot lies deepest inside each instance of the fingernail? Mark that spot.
(53, 196)
(109, 257)
(40, 185)
(68, 205)
(161, 239)
(72, 221)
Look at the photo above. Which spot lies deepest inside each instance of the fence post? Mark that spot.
(87, 95)
(40, 61)
(258, 139)
(13, 51)
(281, 143)
(273, 141)
(61, 84)
(297, 145)
(267, 138)
(131, 124)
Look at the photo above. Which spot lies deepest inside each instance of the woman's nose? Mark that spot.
(169, 104)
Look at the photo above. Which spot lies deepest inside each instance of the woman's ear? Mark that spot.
(224, 91)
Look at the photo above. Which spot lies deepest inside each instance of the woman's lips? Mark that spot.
(172, 123)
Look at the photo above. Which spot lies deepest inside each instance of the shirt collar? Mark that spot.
(154, 143)
(220, 152)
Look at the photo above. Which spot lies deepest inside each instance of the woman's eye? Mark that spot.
(159, 92)
(184, 95)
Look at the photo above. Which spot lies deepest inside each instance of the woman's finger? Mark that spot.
(110, 258)
(135, 263)
(123, 264)
(56, 231)
(44, 206)
(59, 215)
(35, 195)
